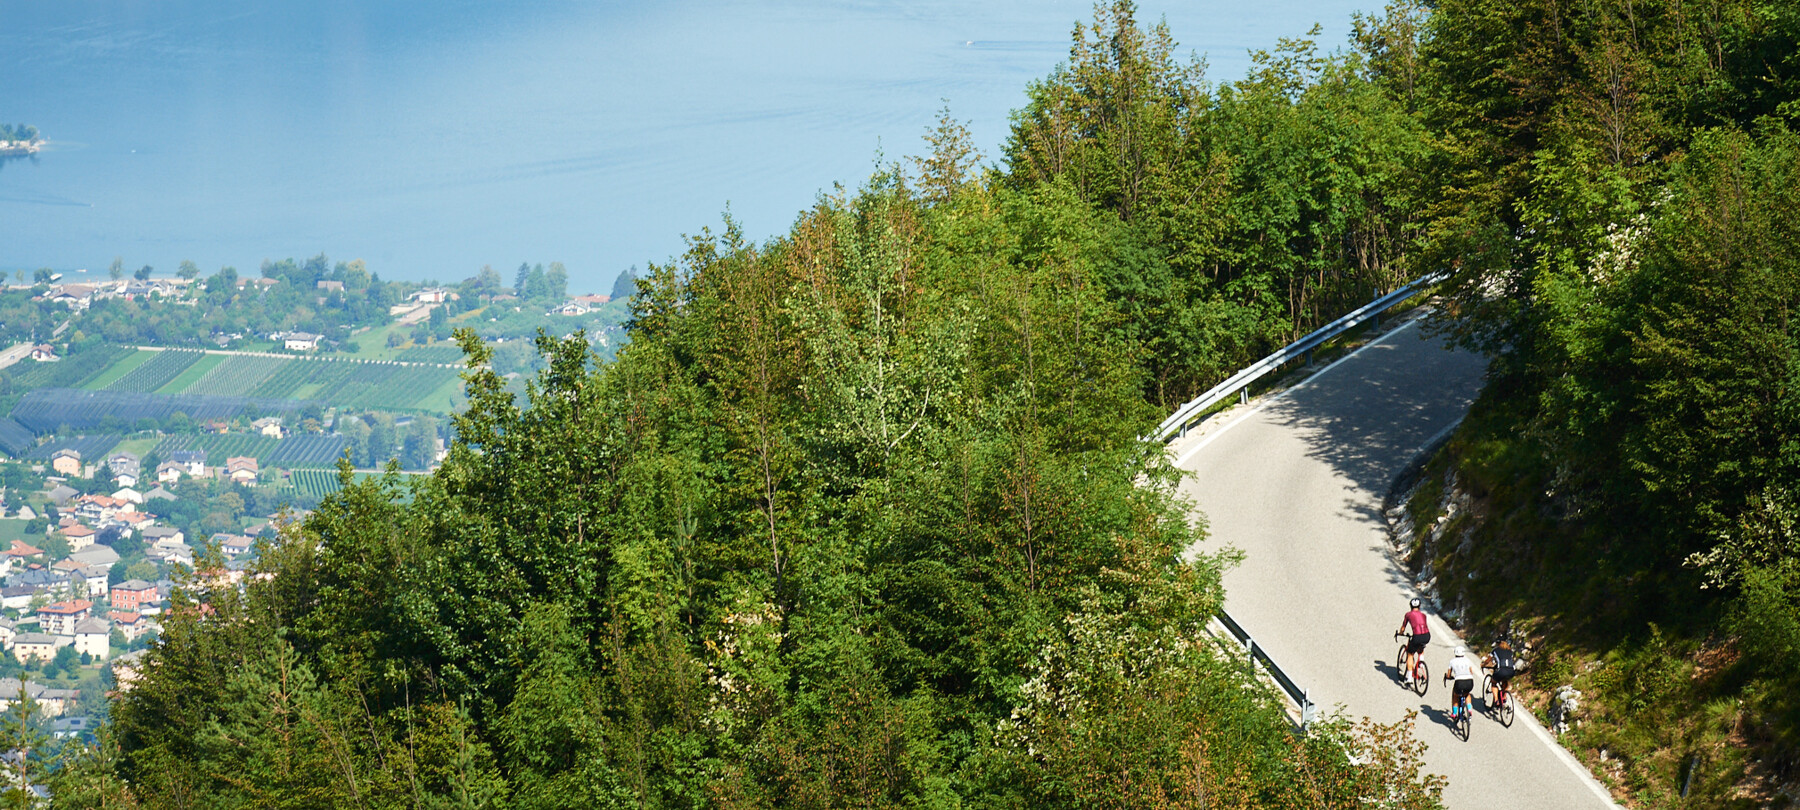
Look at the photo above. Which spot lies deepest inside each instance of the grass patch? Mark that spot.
(192, 374)
(13, 529)
(137, 447)
(446, 398)
(372, 345)
(119, 369)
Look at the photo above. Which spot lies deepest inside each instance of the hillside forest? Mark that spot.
(860, 515)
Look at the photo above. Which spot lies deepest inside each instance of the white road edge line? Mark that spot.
(1562, 754)
(1185, 457)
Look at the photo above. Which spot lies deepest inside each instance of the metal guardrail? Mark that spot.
(1177, 424)
(1308, 711)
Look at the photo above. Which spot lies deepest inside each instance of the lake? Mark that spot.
(433, 138)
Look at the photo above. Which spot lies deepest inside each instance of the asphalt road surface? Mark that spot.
(1296, 481)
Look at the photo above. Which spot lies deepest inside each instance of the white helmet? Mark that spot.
(1460, 652)
(1415, 602)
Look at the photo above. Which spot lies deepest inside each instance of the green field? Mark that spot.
(237, 375)
(137, 447)
(320, 483)
(192, 374)
(119, 369)
(345, 382)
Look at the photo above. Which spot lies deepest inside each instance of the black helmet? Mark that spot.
(1415, 603)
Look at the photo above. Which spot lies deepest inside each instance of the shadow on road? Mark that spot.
(1392, 671)
(1437, 716)
(1367, 418)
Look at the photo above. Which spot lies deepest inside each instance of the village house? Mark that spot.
(169, 472)
(300, 341)
(92, 579)
(8, 629)
(73, 296)
(159, 494)
(60, 618)
(268, 426)
(158, 535)
(43, 582)
(66, 462)
(61, 494)
(26, 646)
(50, 702)
(171, 553)
(93, 636)
(430, 295)
(232, 545)
(133, 595)
(99, 507)
(569, 308)
(330, 286)
(241, 469)
(79, 537)
(20, 552)
(124, 463)
(44, 353)
(98, 555)
(133, 519)
(129, 495)
(591, 301)
(17, 597)
(193, 460)
(131, 624)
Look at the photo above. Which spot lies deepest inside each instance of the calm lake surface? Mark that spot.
(433, 138)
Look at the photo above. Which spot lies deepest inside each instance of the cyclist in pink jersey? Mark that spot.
(1414, 623)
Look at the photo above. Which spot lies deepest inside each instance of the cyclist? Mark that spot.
(1414, 623)
(1463, 672)
(1505, 665)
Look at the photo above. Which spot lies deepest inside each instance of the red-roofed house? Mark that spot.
(80, 537)
(60, 618)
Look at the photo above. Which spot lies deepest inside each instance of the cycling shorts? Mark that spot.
(1418, 642)
(1503, 675)
(1464, 687)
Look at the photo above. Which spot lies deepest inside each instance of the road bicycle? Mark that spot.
(1421, 674)
(1460, 710)
(1502, 707)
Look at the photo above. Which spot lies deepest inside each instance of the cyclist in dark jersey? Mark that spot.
(1414, 622)
(1505, 665)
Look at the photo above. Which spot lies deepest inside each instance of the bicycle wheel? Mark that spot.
(1400, 664)
(1487, 693)
(1462, 719)
(1422, 678)
(1506, 707)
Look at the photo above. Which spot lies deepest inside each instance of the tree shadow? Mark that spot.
(1370, 417)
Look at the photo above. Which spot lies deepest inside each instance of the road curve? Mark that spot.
(1296, 481)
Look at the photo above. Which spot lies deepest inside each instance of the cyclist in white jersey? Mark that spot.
(1461, 670)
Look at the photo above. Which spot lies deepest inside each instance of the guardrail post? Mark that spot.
(1243, 396)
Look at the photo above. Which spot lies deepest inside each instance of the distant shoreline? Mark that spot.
(12, 148)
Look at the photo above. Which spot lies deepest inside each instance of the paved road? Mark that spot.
(1296, 482)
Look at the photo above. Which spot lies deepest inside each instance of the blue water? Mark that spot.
(431, 138)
